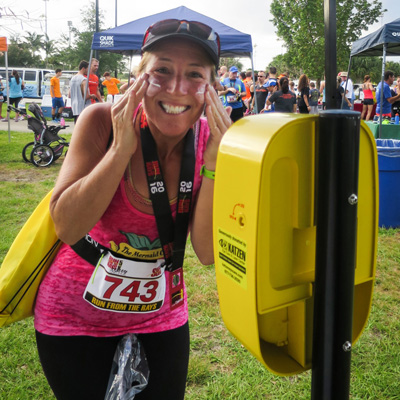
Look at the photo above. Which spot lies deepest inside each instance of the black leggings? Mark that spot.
(78, 367)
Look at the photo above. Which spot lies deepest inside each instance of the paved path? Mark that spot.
(22, 126)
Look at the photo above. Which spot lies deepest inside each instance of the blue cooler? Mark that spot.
(389, 182)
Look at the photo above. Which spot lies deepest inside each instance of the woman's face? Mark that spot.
(178, 74)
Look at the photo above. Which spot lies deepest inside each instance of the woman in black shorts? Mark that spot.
(368, 102)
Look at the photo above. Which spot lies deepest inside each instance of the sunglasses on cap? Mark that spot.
(202, 33)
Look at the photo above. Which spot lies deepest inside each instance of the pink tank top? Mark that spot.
(368, 94)
(60, 308)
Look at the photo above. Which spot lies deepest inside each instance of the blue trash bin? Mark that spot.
(389, 182)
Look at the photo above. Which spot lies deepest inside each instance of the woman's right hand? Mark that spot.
(125, 138)
(92, 172)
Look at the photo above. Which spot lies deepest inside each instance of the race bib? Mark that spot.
(231, 99)
(127, 286)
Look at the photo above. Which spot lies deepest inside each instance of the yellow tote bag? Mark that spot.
(374, 96)
(26, 263)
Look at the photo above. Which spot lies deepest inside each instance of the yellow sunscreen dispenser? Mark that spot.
(265, 236)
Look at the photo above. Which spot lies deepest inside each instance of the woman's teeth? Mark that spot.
(173, 109)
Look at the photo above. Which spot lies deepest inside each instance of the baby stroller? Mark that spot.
(47, 146)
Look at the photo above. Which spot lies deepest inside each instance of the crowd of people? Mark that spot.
(270, 92)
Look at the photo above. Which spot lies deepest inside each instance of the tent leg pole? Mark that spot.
(381, 93)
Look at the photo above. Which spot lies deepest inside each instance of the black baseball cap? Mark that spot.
(198, 32)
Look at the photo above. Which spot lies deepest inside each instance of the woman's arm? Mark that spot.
(305, 98)
(91, 173)
(201, 228)
(322, 87)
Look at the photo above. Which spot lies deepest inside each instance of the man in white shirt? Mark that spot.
(349, 93)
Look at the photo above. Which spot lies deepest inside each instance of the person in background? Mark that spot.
(16, 86)
(368, 102)
(322, 92)
(111, 84)
(396, 104)
(3, 97)
(57, 100)
(233, 91)
(261, 92)
(388, 98)
(347, 85)
(94, 84)
(151, 147)
(77, 90)
(304, 90)
(313, 100)
(252, 86)
(223, 72)
(272, 75)
(248, 81)
(339, 94)
(284, 99)
(272, 86)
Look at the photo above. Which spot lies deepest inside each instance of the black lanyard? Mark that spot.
(172, 235)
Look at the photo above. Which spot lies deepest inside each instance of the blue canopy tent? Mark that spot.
(383, 42)
(127, 39)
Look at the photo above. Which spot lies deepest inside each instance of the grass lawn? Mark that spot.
(220, 367)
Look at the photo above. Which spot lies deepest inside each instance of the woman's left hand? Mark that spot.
(219, 121)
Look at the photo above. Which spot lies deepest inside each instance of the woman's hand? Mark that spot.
(219, 121)
(125, 138)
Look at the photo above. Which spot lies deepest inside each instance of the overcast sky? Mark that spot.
(249, 17)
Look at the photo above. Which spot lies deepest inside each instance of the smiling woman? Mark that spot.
(137, 176)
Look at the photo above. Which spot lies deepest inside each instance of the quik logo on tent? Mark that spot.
(396, 33)
(106, 41)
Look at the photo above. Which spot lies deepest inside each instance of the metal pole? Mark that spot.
(382, 87)
(8, 93)
(96, 53)
(116, 14)
(70, 29)
(336, 220)
(330, 53)
(45, 26)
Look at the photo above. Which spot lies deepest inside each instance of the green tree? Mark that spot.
(229, 62)
(361, 66)
(80, 50)
(394, 67)
(283, 63)
(35, 42)
(300, 24)
(20, 55)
